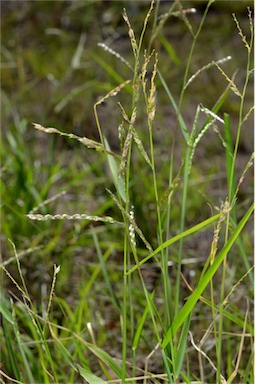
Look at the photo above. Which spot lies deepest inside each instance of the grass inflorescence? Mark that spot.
(151, 282)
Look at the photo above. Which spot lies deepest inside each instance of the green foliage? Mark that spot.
(132, 242)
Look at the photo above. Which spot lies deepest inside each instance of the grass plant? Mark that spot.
(116, 328)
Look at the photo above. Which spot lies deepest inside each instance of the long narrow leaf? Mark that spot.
(176, 238)
(182, 347)
(90, 377)
(140, 326)
(190, 304)
(229, 161)
(117, 179)
(105, 272)
(183, 126)
(9, 347)
(106, 358)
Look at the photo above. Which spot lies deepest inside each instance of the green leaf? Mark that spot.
(11, 353)
(90, 377)
(183, 126)
(191, 302)
(176, 238)
(140, 326)
(170, 50)
(182, 347)
(110, 70)
(4, 310)
(107, 359)
(117, 179)
(105, 272)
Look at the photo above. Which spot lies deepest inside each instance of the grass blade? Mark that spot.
(183, 126)
(90, 377)
(190, 304)
(13, 361)
(182, 347)
(140, 326)
(105, 272)
(107, 359)
(117, 179)
(176, 238)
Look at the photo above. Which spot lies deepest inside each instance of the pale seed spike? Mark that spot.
(145, 25)
(114, 53)
(113, 92)
(131, 33)
(124, 115)
(152, 95)
(45, 202)
(131, 220)
(210, 113)
(133, 117)
(140, 146)
(76, 216)
(232, 84)
(125, 152)
(240, 32)
(84, 140)
(251, 25)
(204, 68)
(121, 134)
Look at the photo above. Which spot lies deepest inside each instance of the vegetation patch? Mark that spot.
(127, 193)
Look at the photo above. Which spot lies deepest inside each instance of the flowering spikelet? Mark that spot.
(91, 144)
(131, 227)
(240, 32)
(233, 86)
(204, 68)
(113, 92)
(132, 133)
(152, 95)
(114, 53)
(121, 134)
(131, 33)
(194, 140)
(65, 216)
(124, 156)
(131, 220)
(225, 208)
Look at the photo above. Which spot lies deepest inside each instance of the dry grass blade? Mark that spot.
(235, 372)
(223, 380)
(11, 380)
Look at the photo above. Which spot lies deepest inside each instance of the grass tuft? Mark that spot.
(154, 285)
